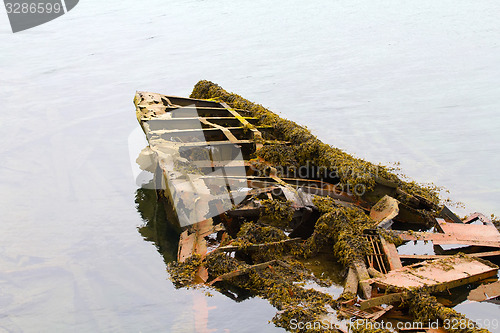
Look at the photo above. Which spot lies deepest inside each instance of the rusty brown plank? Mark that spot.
(439, 256)
(192, 240)
(478, 216)
(391, 253)
(438, 274)
(443, 239)
(384, 211)
(485, 292)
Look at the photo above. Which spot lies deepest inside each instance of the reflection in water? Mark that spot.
(156, 226)
(158, 229)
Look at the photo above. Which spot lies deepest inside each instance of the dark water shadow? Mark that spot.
(156, 227)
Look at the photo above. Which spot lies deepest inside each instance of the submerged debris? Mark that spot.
(342, 228)
(426, 309)
(247, 223)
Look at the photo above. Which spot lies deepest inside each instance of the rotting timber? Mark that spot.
(289, 197)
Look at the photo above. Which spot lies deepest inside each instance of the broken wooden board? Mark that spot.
(440, 256)
(386, 299)
(438, 275)
(372, 313)
(384, 211)
(363, 277)
(478, 216)
(459, 234)
(485, 292)
(351, 284)
(487, 234)
(192, 240)
(447, 214)
(391, 253)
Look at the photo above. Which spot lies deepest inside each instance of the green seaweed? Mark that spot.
(182, 274)
(277, 213)
(304, 148)
(426, 309)
(341, 228)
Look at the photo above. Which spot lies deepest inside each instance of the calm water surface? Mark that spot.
(415, 82)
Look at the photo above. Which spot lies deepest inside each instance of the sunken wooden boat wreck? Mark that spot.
(226, 167)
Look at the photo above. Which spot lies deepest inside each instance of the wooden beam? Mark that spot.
(391, 253)
(363, 277)
(231, 248)
(351, 283)
(386, 299)
(438, 256)
(242, 271)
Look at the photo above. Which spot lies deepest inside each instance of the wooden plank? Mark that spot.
(392, 254)
(439, 256)
(351, 283)
(384, 211)
(478, 216)
(459, 239)
(242, 271)
(448, 214)
(231, 248)
(376, 301)
(196, 118)
(257, 135)
(485, 292)
(381, 312)
(230, 136)
(192, 240)
(487, 233)
(363, 277)
(197, 130)
(374, 273)
(438, 274)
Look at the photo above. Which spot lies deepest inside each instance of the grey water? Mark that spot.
(414, 82)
